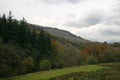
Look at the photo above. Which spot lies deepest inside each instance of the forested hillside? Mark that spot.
(24, 49)
(61, 33)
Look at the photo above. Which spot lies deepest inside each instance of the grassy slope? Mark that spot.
(45, 75)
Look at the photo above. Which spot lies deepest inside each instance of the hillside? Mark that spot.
(26, 48)
(61, 33)
(69, 44)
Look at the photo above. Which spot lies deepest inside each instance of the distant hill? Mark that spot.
(61, 33)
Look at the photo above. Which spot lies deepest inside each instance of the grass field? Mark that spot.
(46, 75)
(111, 73)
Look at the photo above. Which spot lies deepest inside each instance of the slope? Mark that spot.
(61, 33)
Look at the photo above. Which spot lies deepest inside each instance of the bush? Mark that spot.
(45, 65)
(5, 70)
(27, 64)
(61, 64)
(9, 60)
(92, 60)
(1, 40)
(58, 64)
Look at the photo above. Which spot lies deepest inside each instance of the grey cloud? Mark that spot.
(104, 26)
(60, 1)
(109, 33)
(115, 17)
(93, 19)
(106, 32)
(90, 20)
(112, 32)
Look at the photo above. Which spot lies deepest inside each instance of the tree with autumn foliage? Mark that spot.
(57, 49)
(94, 52)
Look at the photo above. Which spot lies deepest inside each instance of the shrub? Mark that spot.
(58, 64)
(5, 70)
(92, 60)
(27, 64)
(1, 40)
(45, 65)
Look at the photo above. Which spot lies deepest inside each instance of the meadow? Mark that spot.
(111, 73)
(46, 75)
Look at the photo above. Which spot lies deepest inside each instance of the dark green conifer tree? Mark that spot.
(44, 44)
(34, 39)
(22, 33)
(4, 28)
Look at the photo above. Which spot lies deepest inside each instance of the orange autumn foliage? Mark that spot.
(96, 50)
(56, 45)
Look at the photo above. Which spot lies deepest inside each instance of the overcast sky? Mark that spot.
(95, 20)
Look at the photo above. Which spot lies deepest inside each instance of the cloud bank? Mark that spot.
(95, 20)
(89, 20)
(60, 1)
(99, 26)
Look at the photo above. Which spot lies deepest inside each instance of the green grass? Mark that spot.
(46, 75)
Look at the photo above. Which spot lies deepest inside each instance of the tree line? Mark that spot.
(22, 49)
